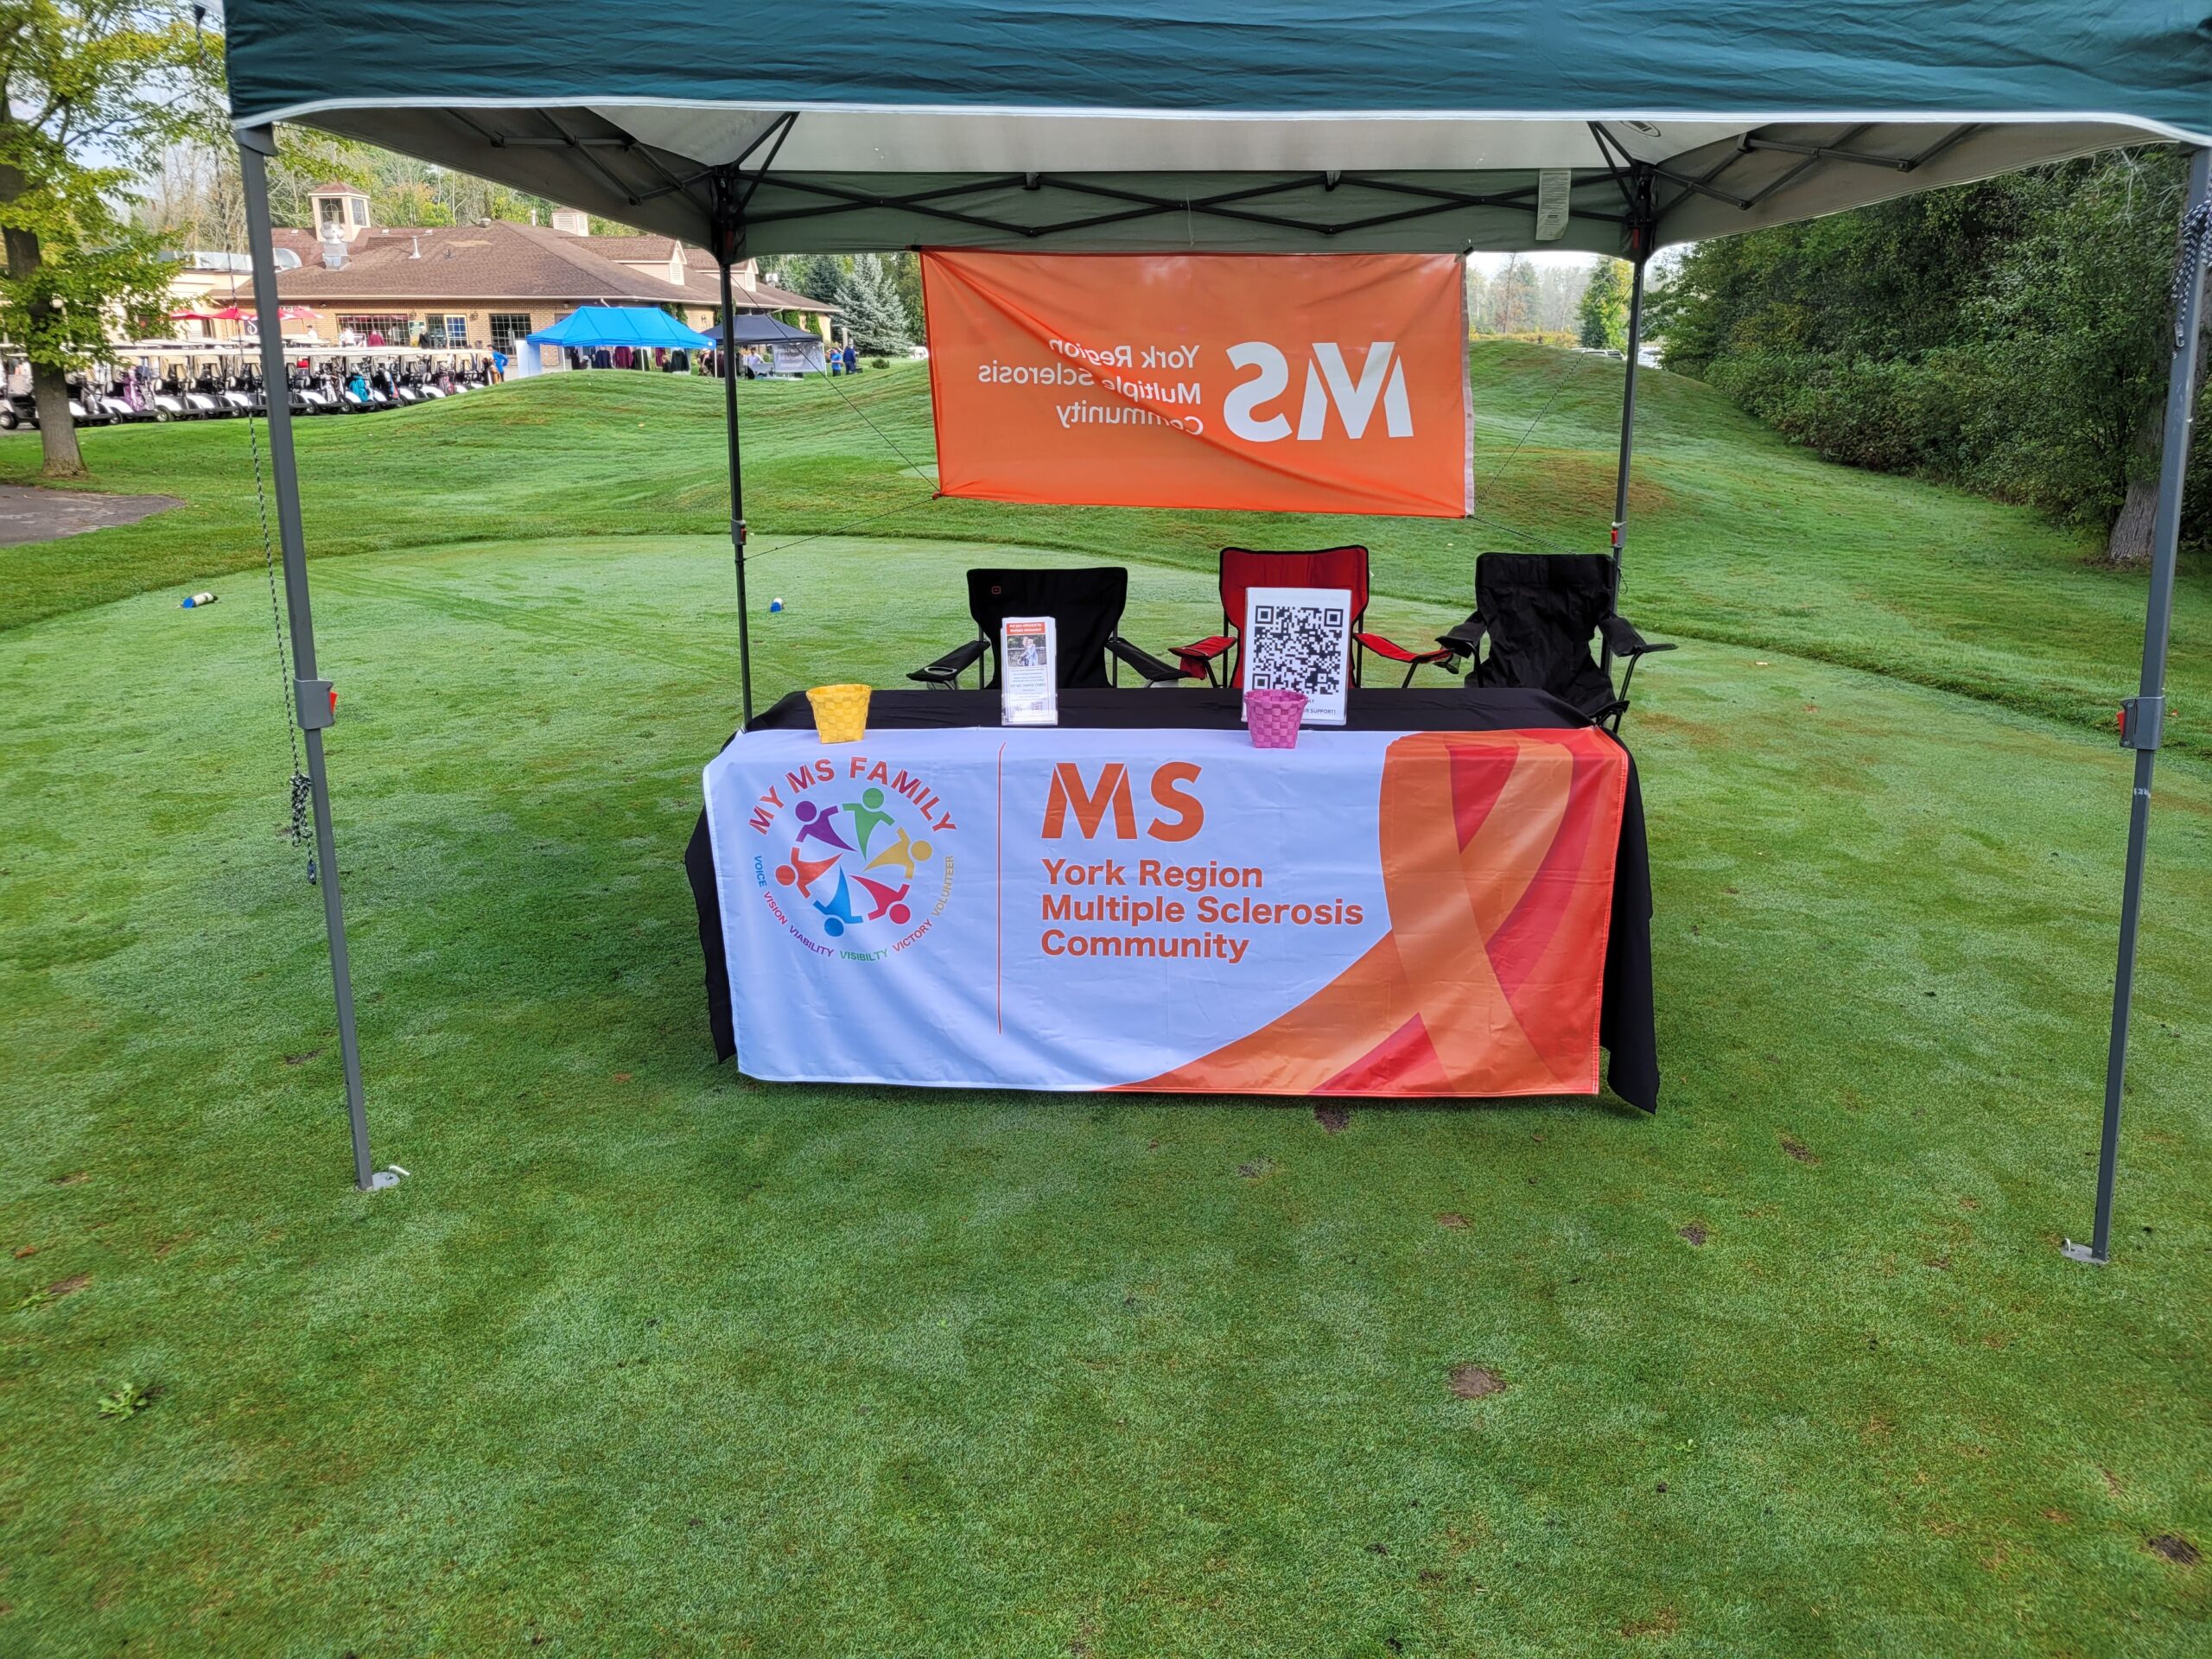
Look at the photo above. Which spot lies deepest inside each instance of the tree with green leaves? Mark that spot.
(86, 86)
(1477, 291)
(875, 316)
(818, 276)
(2011, 336)
(1513, 296)
(905, 267)
(1604, 311)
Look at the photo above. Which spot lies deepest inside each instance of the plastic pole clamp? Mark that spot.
(2142, 722)
(316, 704)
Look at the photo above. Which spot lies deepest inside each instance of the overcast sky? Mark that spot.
(1491, 264)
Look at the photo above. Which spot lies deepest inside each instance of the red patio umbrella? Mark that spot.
(241, 313)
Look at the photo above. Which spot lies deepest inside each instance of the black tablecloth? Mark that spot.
(1624, 1025)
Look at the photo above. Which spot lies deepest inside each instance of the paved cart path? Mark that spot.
(29, 514)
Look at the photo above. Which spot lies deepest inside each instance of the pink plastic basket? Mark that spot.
(1273, 717)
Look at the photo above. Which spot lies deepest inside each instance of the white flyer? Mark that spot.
(1029, 650)
(1299, 639)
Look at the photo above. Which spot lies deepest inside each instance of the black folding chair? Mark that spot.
(1085, 607)
(1539, 612)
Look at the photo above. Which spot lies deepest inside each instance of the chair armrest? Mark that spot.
(1464, 638)
(1198, 659)
(948, 669)
(1393, 651)
(1153, 671)
(1622, 638)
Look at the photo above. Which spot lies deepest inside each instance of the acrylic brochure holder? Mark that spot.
(1029, 653)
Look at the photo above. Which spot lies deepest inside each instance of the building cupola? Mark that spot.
(341, 211)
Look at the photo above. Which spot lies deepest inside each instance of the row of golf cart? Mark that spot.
(206, 380)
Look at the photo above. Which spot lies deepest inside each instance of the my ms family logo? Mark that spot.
(862, 860)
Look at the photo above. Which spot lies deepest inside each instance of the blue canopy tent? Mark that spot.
(645, 327)
(1612, 126)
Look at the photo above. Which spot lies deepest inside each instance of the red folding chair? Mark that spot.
(1243, 568)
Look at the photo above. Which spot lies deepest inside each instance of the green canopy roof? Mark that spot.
(1263, 124)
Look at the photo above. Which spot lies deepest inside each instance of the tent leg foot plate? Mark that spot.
(385, 1177)
(2074, 1252)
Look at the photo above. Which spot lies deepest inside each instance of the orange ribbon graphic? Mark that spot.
(1497, 853)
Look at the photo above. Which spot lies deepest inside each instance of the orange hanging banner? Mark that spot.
(1292, 383)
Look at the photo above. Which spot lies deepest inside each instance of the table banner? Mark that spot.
(1295, 383)
(1370, 913)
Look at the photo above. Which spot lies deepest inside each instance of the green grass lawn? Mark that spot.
(1735, 535)
(645, 1358)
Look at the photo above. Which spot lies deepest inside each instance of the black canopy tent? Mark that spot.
(756, 328)
(1263, 125)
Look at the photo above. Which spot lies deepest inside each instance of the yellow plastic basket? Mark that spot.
(840, 713)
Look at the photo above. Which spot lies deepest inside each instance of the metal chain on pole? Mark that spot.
(298, 829)
(2196, 235)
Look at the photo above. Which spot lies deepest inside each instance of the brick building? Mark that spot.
(485, 284)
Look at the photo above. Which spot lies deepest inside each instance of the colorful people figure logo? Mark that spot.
(867, 812)
(838, 914)
(887, 902)
(907, 854)
(856, 899)
(804, 872)
(814, 824)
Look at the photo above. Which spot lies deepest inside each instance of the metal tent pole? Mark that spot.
(725, 241)
(313, 702)
(1628, 413)
(1641, 234)
(2143, 717)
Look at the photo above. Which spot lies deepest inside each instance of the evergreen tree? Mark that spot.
(1604, 312)
(875, 314)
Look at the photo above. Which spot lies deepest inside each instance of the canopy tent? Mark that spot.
(791, 351)
(645, 327)
(756, 328)
(1609, 126)
(1265, 124)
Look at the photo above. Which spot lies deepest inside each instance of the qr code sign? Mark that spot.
(1298, 648)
